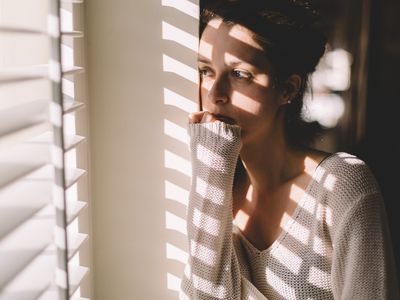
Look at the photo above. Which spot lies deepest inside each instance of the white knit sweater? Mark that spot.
(336, 244)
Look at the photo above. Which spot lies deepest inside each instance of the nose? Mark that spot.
(219, 91)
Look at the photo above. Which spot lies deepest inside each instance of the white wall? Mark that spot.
(129, 149)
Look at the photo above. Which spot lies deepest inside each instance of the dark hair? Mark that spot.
(289, 32)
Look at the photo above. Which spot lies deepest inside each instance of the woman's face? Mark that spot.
(236, 80)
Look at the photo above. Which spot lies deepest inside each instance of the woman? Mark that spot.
(269, 217)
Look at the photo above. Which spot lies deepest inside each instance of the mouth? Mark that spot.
(225, 119)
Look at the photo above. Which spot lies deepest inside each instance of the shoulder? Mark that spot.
(342, 182)
(346, 175)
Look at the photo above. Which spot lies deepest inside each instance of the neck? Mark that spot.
(271, 162)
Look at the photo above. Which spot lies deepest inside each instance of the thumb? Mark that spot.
(196, 117)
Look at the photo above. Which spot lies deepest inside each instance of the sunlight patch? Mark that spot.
(215, 23)
(173, 222)
(175, 162)
(178, 101)
(324, 213)
(246, 103)
(217, 291)
(206, 222)
(203, 253)
(176, 193)
(295, 229)
(184, 6)
(308, 204)
(319, 174)
(354, 161)
(288, 258)
(173, 282)
(319, 246)
(175, 131)
(310, 166)
(319, 278)
(175, 253)
(205, 50)
(175, 34)
(208, 157)
(209, 191)
(330, 181)
(241, 219)
(280, 286)
(175, 66)
(237, 33)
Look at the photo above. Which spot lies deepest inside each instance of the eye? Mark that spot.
(240, 74)
(204, 72)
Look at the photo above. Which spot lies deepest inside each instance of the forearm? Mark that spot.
(214, 151)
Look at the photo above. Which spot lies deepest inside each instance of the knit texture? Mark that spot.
(336, 244)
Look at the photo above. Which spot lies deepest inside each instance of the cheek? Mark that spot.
(205, 87)
(250, 104)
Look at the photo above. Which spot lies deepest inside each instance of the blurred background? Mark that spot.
(101, 90)
(365, 41)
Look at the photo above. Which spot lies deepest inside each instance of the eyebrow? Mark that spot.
(233, 63)
(203, 60)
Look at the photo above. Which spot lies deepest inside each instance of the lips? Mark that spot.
(225, 119)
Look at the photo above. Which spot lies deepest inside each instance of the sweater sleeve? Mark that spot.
(213, 270)
(363, 265)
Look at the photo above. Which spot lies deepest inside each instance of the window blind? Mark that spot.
(39, 177)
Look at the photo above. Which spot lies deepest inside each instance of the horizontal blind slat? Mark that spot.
(22, 159)
(20, 74)
(20, 30)
(23, 244)
(76, 276)
(75, 241)
(18, 116)
(68, 70)
(70, 141)
(50, 293)
(34, 279)
(73, 175)
(72, 34)
(21, 13)
(21, 200)
(71, 105)
(74, 208)
(12, 172)
(23, 135)
(72, 1)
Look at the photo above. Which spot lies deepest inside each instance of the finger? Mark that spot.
(195, 117)
(208, 117)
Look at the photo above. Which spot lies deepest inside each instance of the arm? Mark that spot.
(212, 271)
(363, 266)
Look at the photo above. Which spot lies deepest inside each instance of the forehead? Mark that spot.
(220, 41)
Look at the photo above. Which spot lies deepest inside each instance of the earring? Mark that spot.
(289, 101)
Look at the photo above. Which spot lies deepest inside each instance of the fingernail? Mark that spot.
(205, 117)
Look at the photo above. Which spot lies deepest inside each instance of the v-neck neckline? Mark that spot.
(286, 228)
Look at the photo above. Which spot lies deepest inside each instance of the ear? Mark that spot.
(290, 89)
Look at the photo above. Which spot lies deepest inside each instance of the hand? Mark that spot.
(201, 117)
